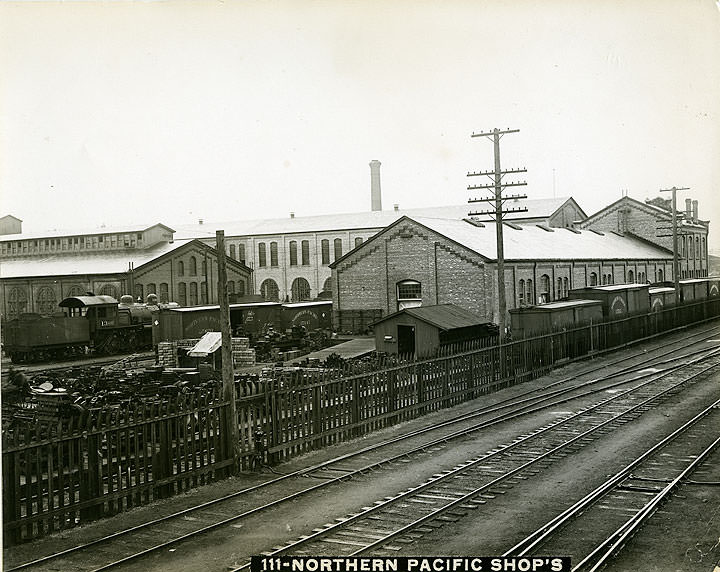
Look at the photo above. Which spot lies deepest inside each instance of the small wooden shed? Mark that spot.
(422, 330)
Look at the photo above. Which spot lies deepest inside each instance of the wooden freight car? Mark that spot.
(553, 317)
(310, 315)
(661, 297)
(618, 300)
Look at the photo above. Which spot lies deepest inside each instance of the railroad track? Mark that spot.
(393, 523)
(597, 526)
(204, 518)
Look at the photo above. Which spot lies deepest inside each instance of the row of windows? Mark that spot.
(297, 256)
(94, 242)
(192, 267)
(693, 249)
(46, 301)
(299, 290)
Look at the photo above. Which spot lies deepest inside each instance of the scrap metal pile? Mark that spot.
(54, 395)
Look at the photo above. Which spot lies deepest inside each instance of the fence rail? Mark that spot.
(56, 476)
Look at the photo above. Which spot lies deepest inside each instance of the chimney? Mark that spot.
(292, 215)
(375, 196)
(396, 207)
(200, 221)
(688, 209)
(695, 211)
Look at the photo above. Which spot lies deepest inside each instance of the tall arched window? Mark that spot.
(193, 266)
(559, 292)
(327, 285)
(193, 294)
(262, 255)
(164, 293)
(204, 268)
(521, 292)
(409, 294)
(593, 279)
(203, 293)
(300, 290)
(231, 287)
(182, 294)
(241, 253)
(150, 288)
(241, 288)
(337, 244)
(566, 287)
(631, 277)
(293, 253)
(660, 275)
(139, 294)
(273, 254)
(233, 254)
(544, 296)
(358, 241)
(305, 252)
(269, 290)
(46, 301)
(109, 290)
(697, 247)
(530, 293)
(75, 291)
(325, 250)
(181, 268)
(17, 302)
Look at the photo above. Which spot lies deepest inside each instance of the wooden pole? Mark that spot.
(228, 374)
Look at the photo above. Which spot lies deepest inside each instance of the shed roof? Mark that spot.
(442, 316)
(209, 343)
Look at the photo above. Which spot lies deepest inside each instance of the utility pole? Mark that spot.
(497, 211)
(676, 260)
(228, 375)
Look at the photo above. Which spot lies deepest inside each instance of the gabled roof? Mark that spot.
(442, 316)
(537, 208)
(654, 210)
(528, 242)
(10, 216)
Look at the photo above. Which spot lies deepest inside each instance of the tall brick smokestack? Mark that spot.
(695, 211)
(688, 209)
(375, 196)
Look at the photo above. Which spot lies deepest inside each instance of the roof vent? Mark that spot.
(200, 221)
(292, 215)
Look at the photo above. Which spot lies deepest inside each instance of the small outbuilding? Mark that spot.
(422, 330)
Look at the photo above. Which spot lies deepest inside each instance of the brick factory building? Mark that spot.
(429, 261)
(654, 223)
(38, 271)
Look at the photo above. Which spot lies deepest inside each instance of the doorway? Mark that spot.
(406, 340)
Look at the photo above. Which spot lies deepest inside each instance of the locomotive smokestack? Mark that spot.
(375, 196)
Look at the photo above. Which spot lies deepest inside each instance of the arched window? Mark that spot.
(293, 253)
(182, 294)
(233, 255)
(631, 277)
(231, 287)
(530, 293)
(604, 279)
(181, 268)
(109, 290)
(203, 293)
(273, 254)
(17, 302)
(164, 293)
(559, 292)
(75, 291)
(660, 275)
(593, 279)
(325, 249)
(193, 294)
(241, 288)
(521, 292)
(262, 256)
(566, 287)
(241, 253)
(270, 291)
(139, 294)
(544, 296)
(204, 267)
(150, 288)
(193, 266)
(358, 241)
(46, 301)
(409, 294)
(697, 247)
(300, 290)
(327, 285)
(305, 252)
(337, 244)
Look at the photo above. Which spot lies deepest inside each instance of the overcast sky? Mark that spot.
(131, 112)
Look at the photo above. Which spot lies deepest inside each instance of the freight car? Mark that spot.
(247, 319)
(554, 316)
(618, 300)
(88, 324)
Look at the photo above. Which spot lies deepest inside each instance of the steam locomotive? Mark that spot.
(98, 324)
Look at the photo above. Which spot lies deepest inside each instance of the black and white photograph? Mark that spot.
(360, 285)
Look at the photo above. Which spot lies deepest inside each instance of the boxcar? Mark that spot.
(618, 300)
(554, 316)
(661, 297)
(311, 315)
(694, 289)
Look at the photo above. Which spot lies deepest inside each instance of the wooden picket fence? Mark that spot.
(57, 476)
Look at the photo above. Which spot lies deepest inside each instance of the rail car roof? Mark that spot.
(83, 301)
(557, 305)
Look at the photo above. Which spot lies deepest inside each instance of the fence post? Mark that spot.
(91, 479)
(11, 504)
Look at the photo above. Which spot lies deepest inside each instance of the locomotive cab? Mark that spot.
(100, 311)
